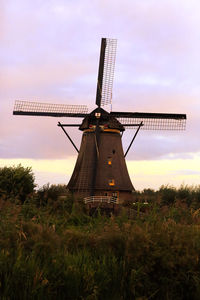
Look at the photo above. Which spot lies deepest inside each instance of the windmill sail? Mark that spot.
(151, 121)
(106, 71)
(49, 109)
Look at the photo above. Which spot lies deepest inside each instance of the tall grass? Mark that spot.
(52, 250)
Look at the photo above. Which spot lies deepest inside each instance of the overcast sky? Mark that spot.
(50, 53)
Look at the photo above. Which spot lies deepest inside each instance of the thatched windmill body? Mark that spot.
(100, 171)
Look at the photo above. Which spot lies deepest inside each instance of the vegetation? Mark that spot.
(16, 183)
(50, 248)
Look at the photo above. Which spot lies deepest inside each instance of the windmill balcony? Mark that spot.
(101, 199)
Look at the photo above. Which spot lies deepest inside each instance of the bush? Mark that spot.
(185, 193)
(168, 194)
(16, 182)
(50, 193)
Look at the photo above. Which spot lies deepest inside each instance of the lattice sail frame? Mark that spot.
(154, 123)
(37, 108)
(108, 71)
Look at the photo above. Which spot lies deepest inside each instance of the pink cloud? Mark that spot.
(50, 53)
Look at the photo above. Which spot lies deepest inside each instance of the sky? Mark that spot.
(49, 52)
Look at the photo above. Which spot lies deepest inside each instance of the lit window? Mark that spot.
(109, 161)
(97, 115)
(111, 182)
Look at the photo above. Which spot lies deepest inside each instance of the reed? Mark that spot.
(63, 253)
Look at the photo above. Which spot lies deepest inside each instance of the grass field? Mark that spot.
(51, 249)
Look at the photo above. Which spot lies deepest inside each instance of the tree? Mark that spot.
(16, 182)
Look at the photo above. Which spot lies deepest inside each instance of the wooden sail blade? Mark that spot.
(151, 121)
(106, 71)
(49, 109)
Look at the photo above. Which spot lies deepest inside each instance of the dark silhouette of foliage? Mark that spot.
(44, 255)
(168, 194)
(50, 248)
(16, 182)
(48, 193)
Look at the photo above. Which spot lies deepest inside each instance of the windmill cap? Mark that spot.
(103, 118)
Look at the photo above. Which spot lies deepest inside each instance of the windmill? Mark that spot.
(100, 171)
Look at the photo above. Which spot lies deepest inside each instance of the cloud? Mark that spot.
(50, 53)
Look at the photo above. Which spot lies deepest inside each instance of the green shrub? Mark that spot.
(196, 197)
(16, 182)
(168, 194)
(185, 194)
(50, 193)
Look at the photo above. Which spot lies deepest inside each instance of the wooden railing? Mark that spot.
(102, 199)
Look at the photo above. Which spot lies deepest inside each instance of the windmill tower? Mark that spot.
(100, 171)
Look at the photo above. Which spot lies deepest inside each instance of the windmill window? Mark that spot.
(109, 161)
(111, 182)
(97, 115)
